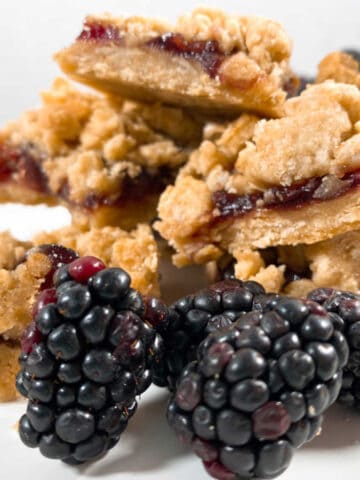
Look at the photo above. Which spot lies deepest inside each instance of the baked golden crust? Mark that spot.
(18, 289)
(190, 219)
(336, 262)
(341, 67)
(12, 251)
(9, 354)
(252, 76)
(97, 155)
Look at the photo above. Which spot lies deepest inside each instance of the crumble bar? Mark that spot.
(269, 183)
(106, 159)
(208, 60)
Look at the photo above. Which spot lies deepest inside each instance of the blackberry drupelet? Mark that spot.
(259, 388)
(344, 309)
(89, 352)
(193, 317)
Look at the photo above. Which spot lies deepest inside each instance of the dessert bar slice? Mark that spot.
(106, 159)
(341, 67)
(27, 269)
(269, 183)
(208, 61)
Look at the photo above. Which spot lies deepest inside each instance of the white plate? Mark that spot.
(148, 450)
(29, 33)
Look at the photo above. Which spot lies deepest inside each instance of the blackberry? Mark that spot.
(258, 389)
(193, 317)
(88, 353)
(344, 309)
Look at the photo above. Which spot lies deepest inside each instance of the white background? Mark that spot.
(30, 32)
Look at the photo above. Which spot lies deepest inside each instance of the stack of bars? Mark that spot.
(203, 127)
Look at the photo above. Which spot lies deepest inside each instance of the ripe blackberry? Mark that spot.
(193, 317)
(259, 388)
(89, 352)
(344, 309)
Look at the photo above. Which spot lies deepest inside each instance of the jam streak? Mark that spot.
(24, 163)
(100, 31)
(131, 190)
(231, 205)
(206, 52)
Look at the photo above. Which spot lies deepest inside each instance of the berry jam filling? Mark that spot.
(22, 162)
(99, 31)
(206, 52)
(131, 190)
(296, 196)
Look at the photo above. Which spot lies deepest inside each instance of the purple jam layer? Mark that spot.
(93, 31)
(21, 164)
(207, 53)
(317, 189)
(133, 190)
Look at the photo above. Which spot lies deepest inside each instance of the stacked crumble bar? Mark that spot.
(277, 184)
(254, 180)
(106, 159)
(209, 61)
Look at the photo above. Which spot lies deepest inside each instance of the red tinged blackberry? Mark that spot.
(89, 352)
(193, 317)
(258, 389)
(344, 311)
(83, 268)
